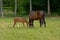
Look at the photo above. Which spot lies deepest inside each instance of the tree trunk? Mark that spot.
(49, 7)
(30, 6)
(15, 7)
(1, 6)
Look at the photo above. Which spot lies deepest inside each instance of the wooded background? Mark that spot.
(23, 6)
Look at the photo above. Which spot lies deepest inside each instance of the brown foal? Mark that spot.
(20, 19)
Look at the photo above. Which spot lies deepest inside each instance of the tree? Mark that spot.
(48, 7)
(15, 7)
(30, 6)
(1, 2)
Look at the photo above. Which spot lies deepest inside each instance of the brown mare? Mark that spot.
(19, 19)
(37, 15)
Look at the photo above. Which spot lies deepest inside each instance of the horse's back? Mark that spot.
(36, 14)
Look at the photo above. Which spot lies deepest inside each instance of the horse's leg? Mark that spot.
(44, 19)
(32, 23)
(44, 23)
(41, 23)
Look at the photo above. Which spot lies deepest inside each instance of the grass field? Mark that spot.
(51, 32)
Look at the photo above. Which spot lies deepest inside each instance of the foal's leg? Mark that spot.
(27, 23)
(14, 24)
(23, 24)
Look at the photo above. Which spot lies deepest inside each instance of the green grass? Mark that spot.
(51, 32)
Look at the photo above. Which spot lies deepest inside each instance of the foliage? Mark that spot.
(23, 5)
